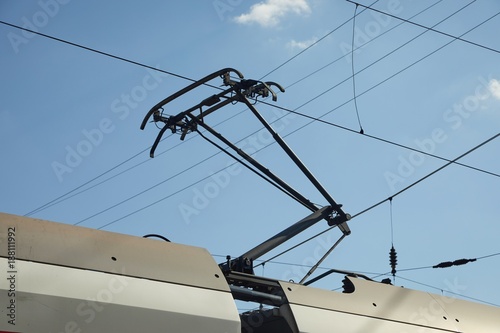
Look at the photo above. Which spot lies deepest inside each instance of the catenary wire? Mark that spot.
(388, 54)
(327, 268)
(97, 51)
(133, 62)
(434, 266)
(388, 198)
(162, 71)
(449, 161)
(448, 291)
(383, 57)
(315, 119)
(114, 221)
(318, 119)
(267, 179)
(316, 42)
(376, 275)
(165, 180)
(200, 180)
(391, 220)
(361, 46)
(354, 72)
(154, 203)
(299, 265)
(67, 195)
(428, 55)
(146, 190)
(60, 198)
(429, 174)
(431, 29)
(64, 196)
(181, 76)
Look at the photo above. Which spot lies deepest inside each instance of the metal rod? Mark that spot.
(244, 294)
(270, 181)
(306, 202)
(322, 258)
(287, 234)
(294, 157)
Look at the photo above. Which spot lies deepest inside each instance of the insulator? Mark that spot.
(458, 262)
(393, 259)
(443, 264)
(462, 261)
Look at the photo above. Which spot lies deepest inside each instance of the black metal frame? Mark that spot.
(241, 91)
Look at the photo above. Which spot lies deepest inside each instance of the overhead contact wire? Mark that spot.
(353, 71)
(430, 29)
(316, 42)
(156, 69)
(384, 200)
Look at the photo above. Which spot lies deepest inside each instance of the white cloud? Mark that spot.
(494, 86)
(269, 13)
(293, 44)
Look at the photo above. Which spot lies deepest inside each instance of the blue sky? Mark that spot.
(69, 115)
